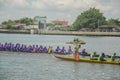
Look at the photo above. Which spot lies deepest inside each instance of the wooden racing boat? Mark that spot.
(97, 55)
(71, 58)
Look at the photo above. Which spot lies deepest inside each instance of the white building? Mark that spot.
(40, 21)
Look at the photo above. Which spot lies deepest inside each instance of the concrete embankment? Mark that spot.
(15, 31)
(61, 32)
(81, 33)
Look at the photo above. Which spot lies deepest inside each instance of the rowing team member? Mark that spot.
(22, 48)
(83, 52)
(113, 57)
(63, 51)
(32, 48)
(92, 56)
(102, 57)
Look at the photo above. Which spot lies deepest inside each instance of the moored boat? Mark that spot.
(79, 42)
(71, 58)
(76, 41)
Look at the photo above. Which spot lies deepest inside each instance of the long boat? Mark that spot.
(97, 55)
(85, 55)
(71, 58)
(76, 42)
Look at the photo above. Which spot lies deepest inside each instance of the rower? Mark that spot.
(83, 52)
(69, 50)
(113, 57)
(92, 56)
(45, 49)
(63, 51)
(50, 49)
(101, 57)
(57, 50)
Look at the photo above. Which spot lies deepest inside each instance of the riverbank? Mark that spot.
(46, 32)
(15, 31)
(81, 33)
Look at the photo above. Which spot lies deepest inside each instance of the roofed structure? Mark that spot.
(62, 23)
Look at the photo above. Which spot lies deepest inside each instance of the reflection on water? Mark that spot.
(76, 70)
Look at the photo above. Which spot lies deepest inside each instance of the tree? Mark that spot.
(49, 24)
(89, 19)
(113, 22)
(5, 22)
(9, 26)
(56, 24)
(27, 21)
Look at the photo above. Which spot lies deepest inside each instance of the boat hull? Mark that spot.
(86, 60)
(79, 42)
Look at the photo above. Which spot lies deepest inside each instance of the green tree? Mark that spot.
(113, 22)
(17, 21)
(49, 24)
(8, 22)
(56, 24)
(89, 19)
(27, 21)
(9, 26)
(5, 22)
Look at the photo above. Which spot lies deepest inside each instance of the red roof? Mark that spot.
(63, 23)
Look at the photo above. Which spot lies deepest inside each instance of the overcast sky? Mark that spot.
(56, 9)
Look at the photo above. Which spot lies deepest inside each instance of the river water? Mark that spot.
(36, 66)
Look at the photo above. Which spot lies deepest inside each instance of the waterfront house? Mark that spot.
(60, 22)
(19, 26)
(0, 26)
(32, 27)
(106, 28)
(116, 29)
(85, 29)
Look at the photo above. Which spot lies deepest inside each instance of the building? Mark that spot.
(60, 22)
(40, 21)
(107, 28)
(19, 26)
(1, 26)
(31, 27)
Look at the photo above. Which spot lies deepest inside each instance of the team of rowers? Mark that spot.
(33, 48)
(93, 56)
(43, 49)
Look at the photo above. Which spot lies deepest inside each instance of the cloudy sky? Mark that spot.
(56, 9)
